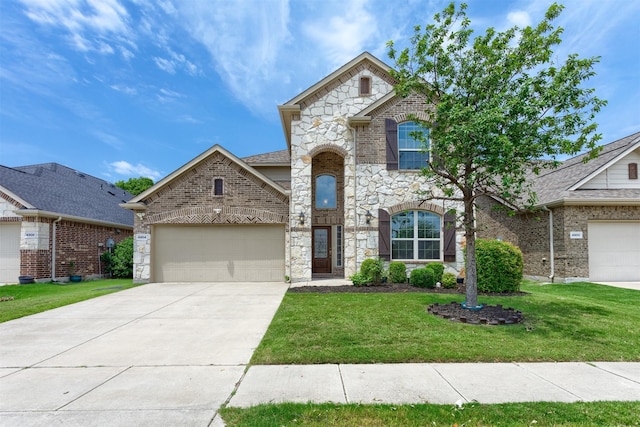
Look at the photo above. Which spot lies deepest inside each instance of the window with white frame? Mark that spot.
(413, 153)
(416, 235)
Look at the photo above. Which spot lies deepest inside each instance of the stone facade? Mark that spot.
(323, 126)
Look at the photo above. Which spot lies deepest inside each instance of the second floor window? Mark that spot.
(413, 153)
(326, 192)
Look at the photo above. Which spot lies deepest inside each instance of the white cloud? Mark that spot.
(344, 34)
(125, 168)
(88, 22)
(125, 89)
(519, 18)
(176, 61)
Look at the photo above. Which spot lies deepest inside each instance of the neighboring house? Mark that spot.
(52, 215)
(345, 189)
(588, 225)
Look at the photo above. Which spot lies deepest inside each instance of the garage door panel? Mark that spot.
(9, 252)
(614, 251)
(218, 253)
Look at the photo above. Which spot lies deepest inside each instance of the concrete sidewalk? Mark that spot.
(440, 383)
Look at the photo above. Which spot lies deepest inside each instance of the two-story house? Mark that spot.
(345, 189)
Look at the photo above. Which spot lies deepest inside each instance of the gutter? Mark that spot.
(551, 249)
(47, 214)
(53, 249)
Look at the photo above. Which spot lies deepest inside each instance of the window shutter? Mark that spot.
(384, 235)
(449, 237)
(633, 171)
(391, 129)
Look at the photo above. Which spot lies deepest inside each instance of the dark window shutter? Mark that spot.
(384, 235)
(449, 237)
(391, 129)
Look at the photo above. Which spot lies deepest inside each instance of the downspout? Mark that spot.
(551, 251)
(53, 250)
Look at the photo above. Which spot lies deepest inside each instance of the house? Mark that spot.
(588, 222)
(52, 215)
(347, 188)
(344, 189)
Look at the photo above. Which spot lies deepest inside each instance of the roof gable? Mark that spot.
(291, 109)
(136, 202)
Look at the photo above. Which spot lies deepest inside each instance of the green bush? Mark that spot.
(373, 268)
(360, 279)
(438, 269)
(397, 272)
(423, 278)
(449, 281)
(120, 262)
(499, 266)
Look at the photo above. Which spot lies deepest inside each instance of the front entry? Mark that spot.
(321, 250)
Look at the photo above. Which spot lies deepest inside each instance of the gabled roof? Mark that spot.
(52, 189)
(562, 185)
(291, 107)
(137, 202)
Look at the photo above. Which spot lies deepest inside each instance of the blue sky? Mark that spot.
(121, 89)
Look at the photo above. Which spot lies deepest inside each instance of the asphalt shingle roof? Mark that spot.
(554, 185)
(274, 157)
(56, 188)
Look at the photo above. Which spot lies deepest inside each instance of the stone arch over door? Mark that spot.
(327, 223)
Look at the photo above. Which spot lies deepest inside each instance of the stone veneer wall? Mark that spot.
(323, 123)
(367, 183)
(189, 199)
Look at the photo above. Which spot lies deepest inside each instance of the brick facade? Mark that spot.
(190, 199)
(530, 232)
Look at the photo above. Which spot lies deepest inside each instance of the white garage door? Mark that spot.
(9, 252)
(218, 253)
(614, 251)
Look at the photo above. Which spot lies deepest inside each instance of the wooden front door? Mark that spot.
(321, 250)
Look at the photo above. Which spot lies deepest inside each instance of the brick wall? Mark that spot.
(371, 139)
(530, 232)
(190, 199)
(77, 242)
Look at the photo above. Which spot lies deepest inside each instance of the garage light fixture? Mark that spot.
(301, 218)
(368, 217)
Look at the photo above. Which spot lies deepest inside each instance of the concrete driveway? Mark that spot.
(158, 354)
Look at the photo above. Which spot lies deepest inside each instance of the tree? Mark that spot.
(500, 104)
(135, 186)
(120, 263)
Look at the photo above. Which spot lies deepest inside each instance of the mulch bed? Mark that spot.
(487, 315)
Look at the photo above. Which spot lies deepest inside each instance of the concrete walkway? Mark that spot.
(441, 383)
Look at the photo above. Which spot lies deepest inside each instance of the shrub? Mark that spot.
(499, 266)
(449, 281)
(120, 262)
(423, 278)
(359, 279)
(397, 272)
(373, 268)
(438, 269)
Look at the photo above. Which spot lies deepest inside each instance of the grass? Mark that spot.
(563, 322)
(511, 414)
(23, 300)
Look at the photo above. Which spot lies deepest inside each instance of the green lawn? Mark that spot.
(512, 414)
(563, 322)
(23, 300)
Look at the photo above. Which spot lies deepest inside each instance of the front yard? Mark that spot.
(22, 300)
(562, 322)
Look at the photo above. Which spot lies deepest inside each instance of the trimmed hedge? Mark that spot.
(423, 278)
(438, 270)
(373, 268)
(449, 281)
(499, 266)
(397, 272)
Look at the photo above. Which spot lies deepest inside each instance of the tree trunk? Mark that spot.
(471, 279)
